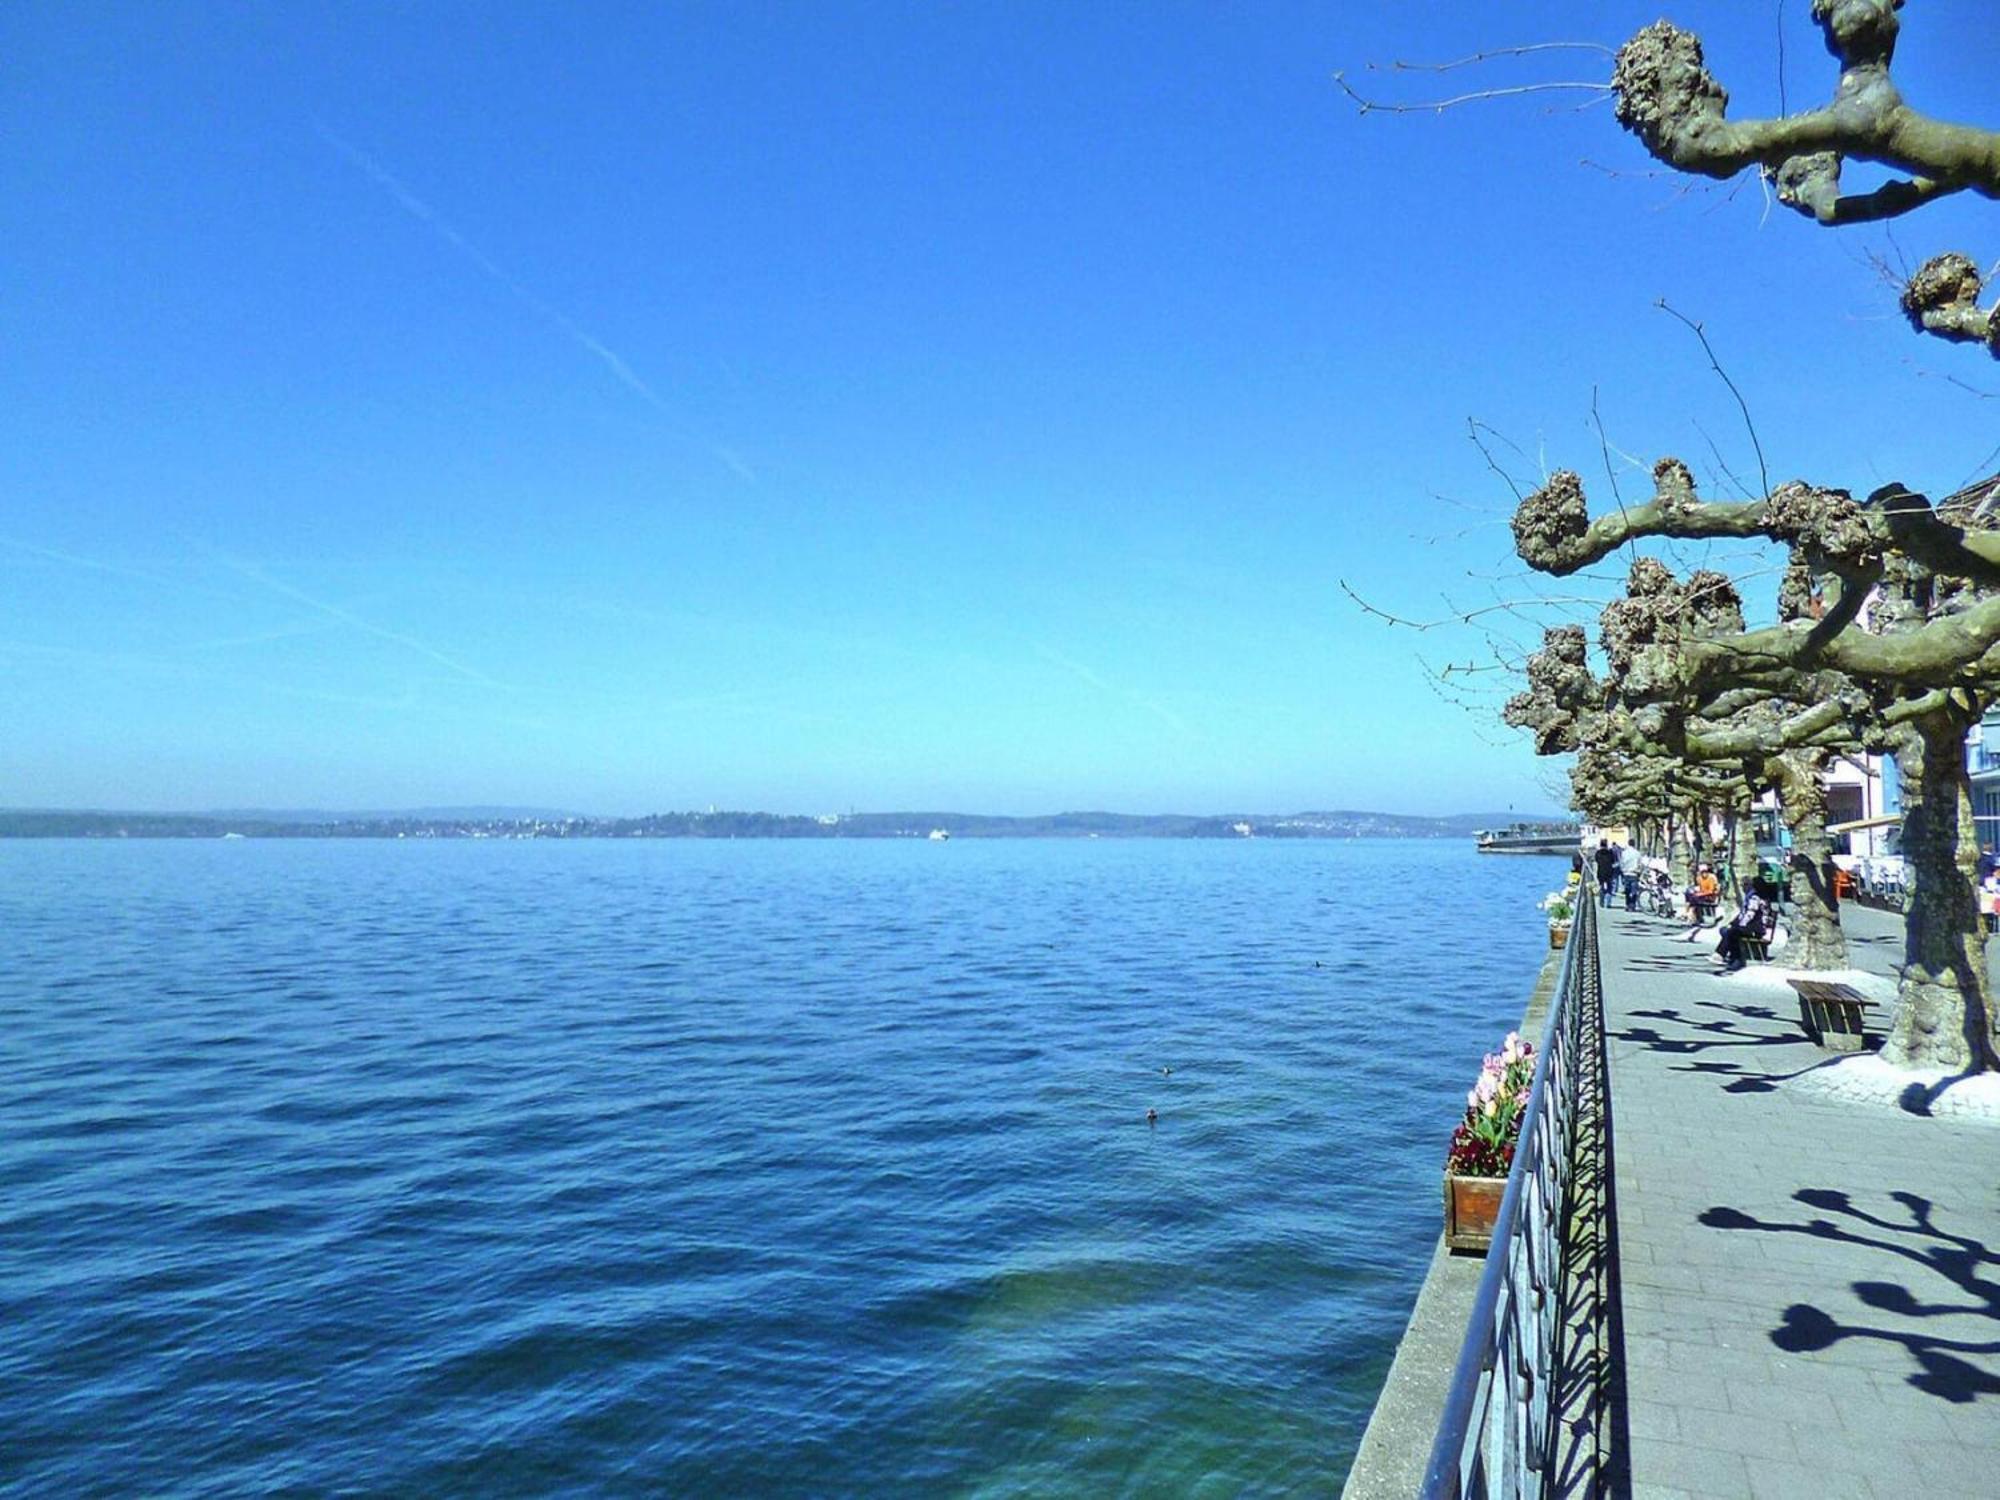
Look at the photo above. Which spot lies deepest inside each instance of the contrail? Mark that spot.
(1152, 706)
(610, 358)
(368, 627)
(258, 575)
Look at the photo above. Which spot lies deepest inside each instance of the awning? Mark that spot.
(1889, 821)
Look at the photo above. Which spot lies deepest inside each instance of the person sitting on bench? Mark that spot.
(1753, 921)
(1703, 896)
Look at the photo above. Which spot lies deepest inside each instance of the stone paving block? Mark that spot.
(1668, 1310)
(1733, 1432)
(1709, 1360)
(1678, 1278)
(1918, 1421)
(1948, 1466)
(1976, 1423)
(1728, 1344)
(1657, 1383)
(1649, 1419)
(1776, 1479)
(1754, 1284)
(1643, 1299)
(1800, 1374)
(1706, 1472)
(1770, 1398)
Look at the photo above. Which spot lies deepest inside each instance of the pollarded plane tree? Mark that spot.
(1666, 97)
(1697, 810)
(1619, 775)
(1903, 651)
(1640, 743)
(1913, 618)
(1780, 736)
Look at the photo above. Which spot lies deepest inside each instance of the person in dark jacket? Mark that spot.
(1629, 866)
(1607, 871)
(1753, 919)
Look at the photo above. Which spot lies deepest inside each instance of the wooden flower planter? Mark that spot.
(1471, 1207)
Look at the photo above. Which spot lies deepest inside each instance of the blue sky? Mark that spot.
(813, 407)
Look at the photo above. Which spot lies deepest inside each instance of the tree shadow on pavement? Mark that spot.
(1725, 1033)
(1966, 1266)
(1688, 961)
(1922, 1098)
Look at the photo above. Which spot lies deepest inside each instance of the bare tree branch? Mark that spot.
(1763, 471)
(1521, 51)
(1439, 106)
(1669, 100)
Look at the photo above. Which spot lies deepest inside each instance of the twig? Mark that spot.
(1782, 110)
(1577, 109)
(1763, 469)
(1463, 617)
(1522, 575)
(1480, 57)
(1461, 533)
(1723, 463)
(1598, 166)
(1455, 502)
(1978, 470)
(1439, 106)
(1519, 451)
(1473, 431)
(1604, 447)
(1964, 385)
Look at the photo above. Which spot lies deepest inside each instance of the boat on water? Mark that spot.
(1530, 838)
(939, 835)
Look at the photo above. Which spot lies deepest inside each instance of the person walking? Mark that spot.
(1629, 866)
(1607, 871)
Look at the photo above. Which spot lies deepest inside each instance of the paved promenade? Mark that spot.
(1810, 1286)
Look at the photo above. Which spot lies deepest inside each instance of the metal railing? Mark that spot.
(1498, 1436)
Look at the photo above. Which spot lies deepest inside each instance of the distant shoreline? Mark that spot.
(26, 824)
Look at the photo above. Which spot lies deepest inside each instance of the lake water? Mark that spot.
(739, 1168)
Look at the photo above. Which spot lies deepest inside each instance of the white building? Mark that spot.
(1862, 789)
(1982, 760)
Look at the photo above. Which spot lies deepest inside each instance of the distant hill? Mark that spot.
(406, 814)
(482, 822)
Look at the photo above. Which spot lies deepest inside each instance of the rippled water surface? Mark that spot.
(726, 1168)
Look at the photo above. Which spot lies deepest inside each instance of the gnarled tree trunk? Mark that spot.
(1742, 850)
(1817, 939)
(1944, 1016)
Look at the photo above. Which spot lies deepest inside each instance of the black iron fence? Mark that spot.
(1499, 1431)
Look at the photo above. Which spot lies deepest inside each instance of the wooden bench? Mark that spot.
(1756, 950)
(1830, 1013)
